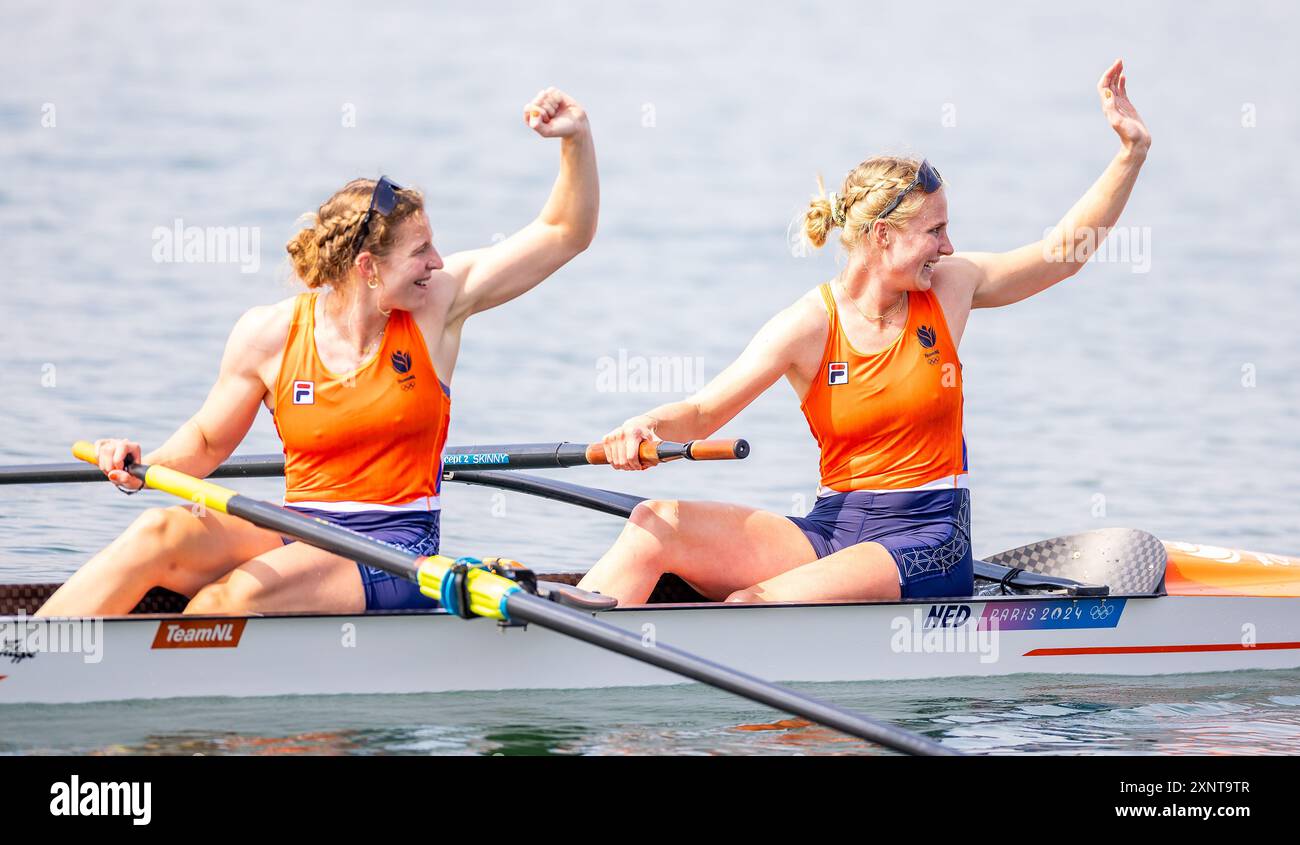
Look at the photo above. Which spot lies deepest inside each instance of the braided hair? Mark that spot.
(323, 251)
(867, 190)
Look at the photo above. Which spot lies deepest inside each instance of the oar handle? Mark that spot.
(717, 450)
(694, 450)
(85, 450)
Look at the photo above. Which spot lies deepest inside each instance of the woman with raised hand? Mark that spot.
(872, 354)
(356, 373)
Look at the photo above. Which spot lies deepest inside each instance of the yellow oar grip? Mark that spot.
(486, 589)
(196, 490)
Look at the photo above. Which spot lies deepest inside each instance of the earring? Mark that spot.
(372, 283)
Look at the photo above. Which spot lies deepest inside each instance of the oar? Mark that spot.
(503, 456)
(558, 455)
(605, 501)
(465, 588)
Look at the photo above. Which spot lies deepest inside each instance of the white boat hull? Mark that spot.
(169, 656)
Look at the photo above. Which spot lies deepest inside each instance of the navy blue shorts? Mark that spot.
(412, 531)
(927, 532)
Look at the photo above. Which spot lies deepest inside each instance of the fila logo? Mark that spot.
(304, 392)
(837, 372)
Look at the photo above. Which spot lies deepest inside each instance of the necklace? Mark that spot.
(880, 319)
(372, 345)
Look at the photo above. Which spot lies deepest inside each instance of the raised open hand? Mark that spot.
(1119, 110)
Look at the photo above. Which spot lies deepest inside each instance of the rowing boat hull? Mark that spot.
(170, 656)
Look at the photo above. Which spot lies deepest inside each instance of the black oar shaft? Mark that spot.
(508, 456)
(325, 535)
(525, 607)
(517, 456)
(242, 466)
(606, 501)
(529, 608)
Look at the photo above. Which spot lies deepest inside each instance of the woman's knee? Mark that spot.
(221, 597)
(663, 519)
(656, 515)
(159, 528)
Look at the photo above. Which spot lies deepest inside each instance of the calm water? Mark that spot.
(1164, 399)
(1236, 713)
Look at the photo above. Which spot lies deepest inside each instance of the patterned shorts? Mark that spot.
(412, 531)
(927, 532)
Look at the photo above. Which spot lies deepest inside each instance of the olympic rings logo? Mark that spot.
(1102, 611)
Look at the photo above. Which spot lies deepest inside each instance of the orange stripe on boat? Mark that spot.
(1196, 570)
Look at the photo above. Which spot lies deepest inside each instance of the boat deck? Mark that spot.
(16, 599)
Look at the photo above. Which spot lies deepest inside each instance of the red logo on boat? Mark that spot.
(199, 633)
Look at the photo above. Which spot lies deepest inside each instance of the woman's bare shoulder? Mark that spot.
(807, 315)
(265, 327)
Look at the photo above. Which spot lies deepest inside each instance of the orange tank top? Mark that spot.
(891, 420)
(373, 436)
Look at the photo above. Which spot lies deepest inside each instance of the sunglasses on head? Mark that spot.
(383, 199)
(926, 177)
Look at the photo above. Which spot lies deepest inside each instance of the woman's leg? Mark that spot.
(296, 577)
(165, 547)
(717, 548)
(863, 572)
(925, 534)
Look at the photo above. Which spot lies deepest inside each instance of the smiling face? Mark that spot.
(910, 251)
(407, 269)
